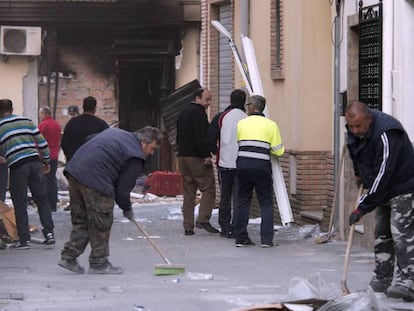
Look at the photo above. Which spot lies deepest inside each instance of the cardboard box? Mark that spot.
(9, 220)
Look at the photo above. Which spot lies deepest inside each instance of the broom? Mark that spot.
(161, 269)
(344, 286)
(324, 238)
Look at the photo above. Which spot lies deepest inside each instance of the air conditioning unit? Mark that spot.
(17, 40)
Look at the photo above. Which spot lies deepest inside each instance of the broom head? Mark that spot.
(168, 269)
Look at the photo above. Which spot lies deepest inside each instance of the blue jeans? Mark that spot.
(261, 181)
(29, 175)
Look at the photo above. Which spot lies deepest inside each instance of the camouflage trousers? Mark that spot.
(92, 218)
(394, 241)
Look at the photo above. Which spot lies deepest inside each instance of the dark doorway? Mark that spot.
(139, 97)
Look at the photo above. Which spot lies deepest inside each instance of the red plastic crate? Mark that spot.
(164, 183)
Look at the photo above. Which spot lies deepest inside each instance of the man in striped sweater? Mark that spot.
(27, 155)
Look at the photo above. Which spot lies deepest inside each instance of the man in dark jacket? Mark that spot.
(383, 159)
(104, 169)
(195, 163)
(80, 127)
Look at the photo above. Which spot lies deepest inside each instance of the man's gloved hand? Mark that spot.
(129, 213)
(355, 216)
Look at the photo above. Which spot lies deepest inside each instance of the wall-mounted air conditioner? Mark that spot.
(17, 40)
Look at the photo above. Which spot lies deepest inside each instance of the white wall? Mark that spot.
(30, 91)
(403, 64)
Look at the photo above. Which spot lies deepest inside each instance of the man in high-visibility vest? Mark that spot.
(259, 139)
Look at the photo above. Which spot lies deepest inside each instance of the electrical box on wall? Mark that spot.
(18, 40)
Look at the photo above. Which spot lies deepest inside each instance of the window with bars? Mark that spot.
(277, 61)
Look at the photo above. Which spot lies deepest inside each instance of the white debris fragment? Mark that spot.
(140, 237)
(113, 289)
(199, 276)
(136, 195)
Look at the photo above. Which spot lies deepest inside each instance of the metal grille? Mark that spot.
(370, 55)
(225, 58)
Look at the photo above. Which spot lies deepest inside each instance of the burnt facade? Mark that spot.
(120, 51)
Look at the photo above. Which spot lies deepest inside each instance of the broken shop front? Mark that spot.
(121, 52)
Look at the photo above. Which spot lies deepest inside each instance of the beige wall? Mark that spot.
(12, 72)
(302, 103)
(190, 61)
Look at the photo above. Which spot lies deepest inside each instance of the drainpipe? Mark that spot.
(337, 104)
(244, 17)
(337, 110)
(244, 21)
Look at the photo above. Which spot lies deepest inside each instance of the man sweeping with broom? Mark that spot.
(102, 170)
(383, 160)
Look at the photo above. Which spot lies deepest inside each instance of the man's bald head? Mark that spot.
(358, 118)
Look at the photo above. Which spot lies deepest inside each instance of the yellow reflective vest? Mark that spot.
(258, 138)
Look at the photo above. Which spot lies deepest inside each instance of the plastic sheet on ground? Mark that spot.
(358, 301)
(295, 233)
(312, 287)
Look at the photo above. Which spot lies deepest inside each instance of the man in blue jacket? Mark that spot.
(103, 169)
(383, 159)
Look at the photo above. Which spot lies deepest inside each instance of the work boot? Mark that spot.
(400, 291)
(71, 265)
(108, 269)
(206, 226)
(379, 285)
(189, 232)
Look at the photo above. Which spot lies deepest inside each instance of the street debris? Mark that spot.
(199, 276)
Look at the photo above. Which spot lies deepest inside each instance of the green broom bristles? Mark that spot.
(167, 269)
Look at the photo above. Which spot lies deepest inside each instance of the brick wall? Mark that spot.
(314, 187)
(85, 75)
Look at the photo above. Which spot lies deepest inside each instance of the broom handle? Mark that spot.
(337, 183)
(345, 289)
(155, 246)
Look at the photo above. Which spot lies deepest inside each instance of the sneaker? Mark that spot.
(206, 226)
(244, 243)
(71, 265)
(109, 269)
(399, 291)
(189, 232)
(49, 239)
(267, 245)
(379, 285)
(20, 245)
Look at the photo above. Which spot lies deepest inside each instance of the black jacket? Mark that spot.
(192, 124)
(77, 131)
(384, 159)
